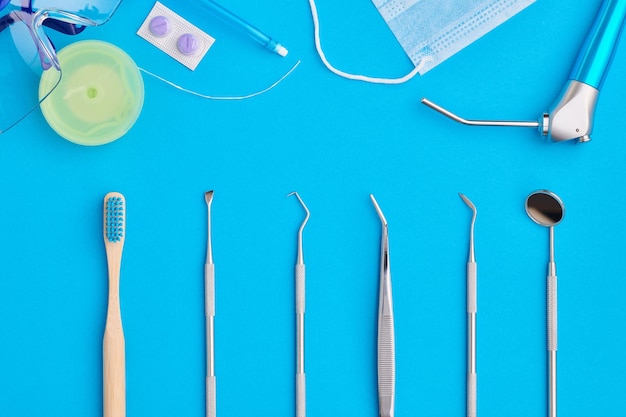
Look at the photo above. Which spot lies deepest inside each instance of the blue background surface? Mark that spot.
(334, 141)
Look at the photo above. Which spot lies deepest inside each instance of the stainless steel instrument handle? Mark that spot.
(300, 375)
(386, 367)
(210, 396)
(471, 338)
(386, 353)
(552, 338)
(209, 302)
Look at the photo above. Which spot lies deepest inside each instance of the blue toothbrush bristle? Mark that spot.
(114, 219)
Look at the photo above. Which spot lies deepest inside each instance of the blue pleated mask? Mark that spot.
(430, 31)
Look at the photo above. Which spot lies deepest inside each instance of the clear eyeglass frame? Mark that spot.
(26, 51)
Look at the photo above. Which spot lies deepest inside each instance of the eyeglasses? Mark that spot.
(26, 51)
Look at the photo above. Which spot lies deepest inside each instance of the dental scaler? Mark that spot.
(571, 117)
(300, 304)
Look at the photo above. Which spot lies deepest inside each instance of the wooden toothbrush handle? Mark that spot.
(114, 373)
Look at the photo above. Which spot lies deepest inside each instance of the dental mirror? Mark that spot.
(546, 209)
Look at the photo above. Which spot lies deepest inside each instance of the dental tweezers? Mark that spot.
(386, 339)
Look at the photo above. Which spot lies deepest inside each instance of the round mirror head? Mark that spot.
(545, 208)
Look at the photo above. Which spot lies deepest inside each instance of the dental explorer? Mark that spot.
(471, 277)
(571, 116)
(386, 338)
(546, 209)
(300, 294)
(209, 305)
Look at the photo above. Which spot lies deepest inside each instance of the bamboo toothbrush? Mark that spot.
(114, 362)
(209, 309)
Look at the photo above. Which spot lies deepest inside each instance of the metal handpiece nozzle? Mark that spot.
(386, 338)
(571, 117)
(448, 113)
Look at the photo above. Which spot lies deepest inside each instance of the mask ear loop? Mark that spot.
(364, 78)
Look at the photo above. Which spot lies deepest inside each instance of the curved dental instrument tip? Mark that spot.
(474, 213)
(208, 197)
(468, 202)
(379, 211)
(304, 222)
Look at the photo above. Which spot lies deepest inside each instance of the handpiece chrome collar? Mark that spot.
(572, 115)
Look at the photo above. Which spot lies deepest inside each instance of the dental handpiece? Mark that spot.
(300, 303)
(386, 338)
(571, 116)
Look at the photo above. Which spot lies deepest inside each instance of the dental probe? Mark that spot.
(300, 293)
(471, 276)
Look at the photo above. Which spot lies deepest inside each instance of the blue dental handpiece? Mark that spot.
(572, 115)
(598, 49)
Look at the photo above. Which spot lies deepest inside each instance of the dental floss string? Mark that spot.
(258, 93)
(357, 77)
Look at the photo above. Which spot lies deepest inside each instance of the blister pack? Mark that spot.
(175, 36)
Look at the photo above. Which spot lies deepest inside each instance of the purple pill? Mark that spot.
(187, 44)
(160, 26)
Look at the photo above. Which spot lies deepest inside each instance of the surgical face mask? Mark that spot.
(431, 31)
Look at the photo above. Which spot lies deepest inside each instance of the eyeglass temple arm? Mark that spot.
(5, 22)
(66, 28)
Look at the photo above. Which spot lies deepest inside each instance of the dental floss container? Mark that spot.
(100, 94)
